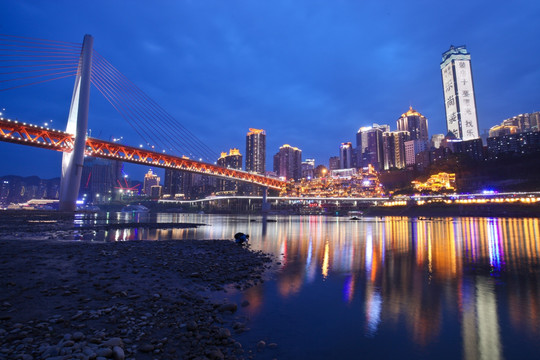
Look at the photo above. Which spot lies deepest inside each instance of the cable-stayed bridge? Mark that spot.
(29, 61)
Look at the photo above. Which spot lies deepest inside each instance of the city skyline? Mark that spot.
(297, 71)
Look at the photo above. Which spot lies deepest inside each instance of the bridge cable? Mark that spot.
(163, 116)
(166, 133)
(30, 59)
(130, 112)
(121, 107)
(116, 83)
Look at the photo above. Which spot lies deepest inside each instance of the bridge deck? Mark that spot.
(37, 136)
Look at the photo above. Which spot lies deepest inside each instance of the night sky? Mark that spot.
(309, 72)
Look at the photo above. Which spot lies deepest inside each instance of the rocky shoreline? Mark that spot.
(125, 300)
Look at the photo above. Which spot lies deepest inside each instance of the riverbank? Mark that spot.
(139, 299)
(455, 210)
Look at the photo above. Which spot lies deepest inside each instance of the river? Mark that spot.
(385, 287)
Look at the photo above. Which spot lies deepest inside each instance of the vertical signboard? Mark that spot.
(465, 96)
(450, 101)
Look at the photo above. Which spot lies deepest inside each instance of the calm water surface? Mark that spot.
(390, 287)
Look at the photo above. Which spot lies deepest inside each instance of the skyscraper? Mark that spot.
(460, 104)
(99, 178)
(177, 183)
(394, 149)
(415, 123)
(333, 163)
(288, 162)
(232, 160)
(150, 179)
(256, 151)
(369, 146)
(308, 168)
(345, 155)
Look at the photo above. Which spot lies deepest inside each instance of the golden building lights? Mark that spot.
(437, 182)
(355, 184)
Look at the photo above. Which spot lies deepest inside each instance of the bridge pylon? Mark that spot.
(72, 162)
(265, 207)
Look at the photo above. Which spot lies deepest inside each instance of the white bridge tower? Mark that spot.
(72, 162)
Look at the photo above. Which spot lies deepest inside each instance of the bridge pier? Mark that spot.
(265, 206)
(72, 162)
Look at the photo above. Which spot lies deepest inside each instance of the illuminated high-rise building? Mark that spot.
(394, 149)
(308, 168)
(415, 123)
(177, 184)
(369, 146)
(413, 148)
(232, 160)
(460, 104)
(346, 155)
(288, 162)
(256, 151)
(150, 179)
(333, 163)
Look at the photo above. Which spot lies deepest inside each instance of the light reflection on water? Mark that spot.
(448, 287)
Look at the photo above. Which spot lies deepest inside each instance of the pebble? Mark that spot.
(113, 342)
(146, 348)
(104, 352)
(116, 314)
(118, 353)
(224, 333)
(228, 307)
(78, 336)
(215, 354)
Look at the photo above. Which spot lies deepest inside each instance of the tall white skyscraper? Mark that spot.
(460, 104)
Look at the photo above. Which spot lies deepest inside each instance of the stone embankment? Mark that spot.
(124, 300)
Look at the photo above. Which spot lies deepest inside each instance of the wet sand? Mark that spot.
(122, 300)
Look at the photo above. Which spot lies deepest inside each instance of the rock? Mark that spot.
(113, 342)
(191, 326)
(118, 353)
(146, 348)
(89, 353)
(78, 336)
(224, 333)
(261, 345)
(77, 315)
(215, 354)
(69, 343)
(51, 351)
(104, 352)
(272, 345)
(228, 307)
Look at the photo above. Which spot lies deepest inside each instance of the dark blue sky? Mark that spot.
(309, 72)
